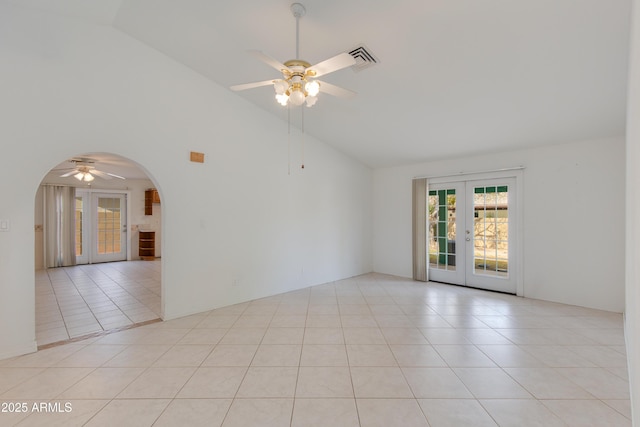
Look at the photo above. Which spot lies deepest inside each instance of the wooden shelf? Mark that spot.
(147, 245)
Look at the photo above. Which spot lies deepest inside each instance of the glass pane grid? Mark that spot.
(78, 221)
(491, 231)
(109, 226)
(442, 230)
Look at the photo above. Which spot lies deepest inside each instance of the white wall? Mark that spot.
(573, 219)
(632, 309)
(70, 88)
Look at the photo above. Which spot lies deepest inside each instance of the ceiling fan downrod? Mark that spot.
(298, 11)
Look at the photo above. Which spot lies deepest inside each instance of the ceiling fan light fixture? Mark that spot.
(311, 100)
(312, 88)
(84, 176)
(282, 99)
(280, 86)
(297, 97)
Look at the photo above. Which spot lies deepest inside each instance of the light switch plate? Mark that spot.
(4, 225)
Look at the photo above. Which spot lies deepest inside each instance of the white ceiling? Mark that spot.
(103, 162)
(456, 77)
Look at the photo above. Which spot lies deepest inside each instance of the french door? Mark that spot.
(471, 233)
(101, 227)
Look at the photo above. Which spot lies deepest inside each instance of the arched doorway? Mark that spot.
(91, 214)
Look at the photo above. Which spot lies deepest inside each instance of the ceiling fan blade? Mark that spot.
(73, 172)
(330, 65)
(251, 85)
(115, 176)
(274, 63)
(101, 174)
(335, 90)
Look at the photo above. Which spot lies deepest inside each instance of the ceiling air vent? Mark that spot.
(364, 58)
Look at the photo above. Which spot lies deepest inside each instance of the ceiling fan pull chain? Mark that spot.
(288, 140)
(302, 110)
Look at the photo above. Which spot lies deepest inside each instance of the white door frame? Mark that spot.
(518, 174)
(88, 235)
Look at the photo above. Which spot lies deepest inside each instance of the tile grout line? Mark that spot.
(353, 388)
(304, 332)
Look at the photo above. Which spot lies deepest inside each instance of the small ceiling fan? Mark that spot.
(85, 170)
(298, 84)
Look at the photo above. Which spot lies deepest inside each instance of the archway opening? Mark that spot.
(98, 248)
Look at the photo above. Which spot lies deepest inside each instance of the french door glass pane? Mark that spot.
(491, 230)
(442, 229)
(109, 225)
(79, 211)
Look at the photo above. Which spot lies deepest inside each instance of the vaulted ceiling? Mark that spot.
(455, 77)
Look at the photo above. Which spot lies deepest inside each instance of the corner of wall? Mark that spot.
(19, 350)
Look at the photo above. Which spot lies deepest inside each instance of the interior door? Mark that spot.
(471, 233)
(109, 236)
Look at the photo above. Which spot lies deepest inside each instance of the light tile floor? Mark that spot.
(373, 350)
(75, 301)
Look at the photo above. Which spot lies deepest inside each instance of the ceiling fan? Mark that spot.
(299, 83)
(85, 170)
